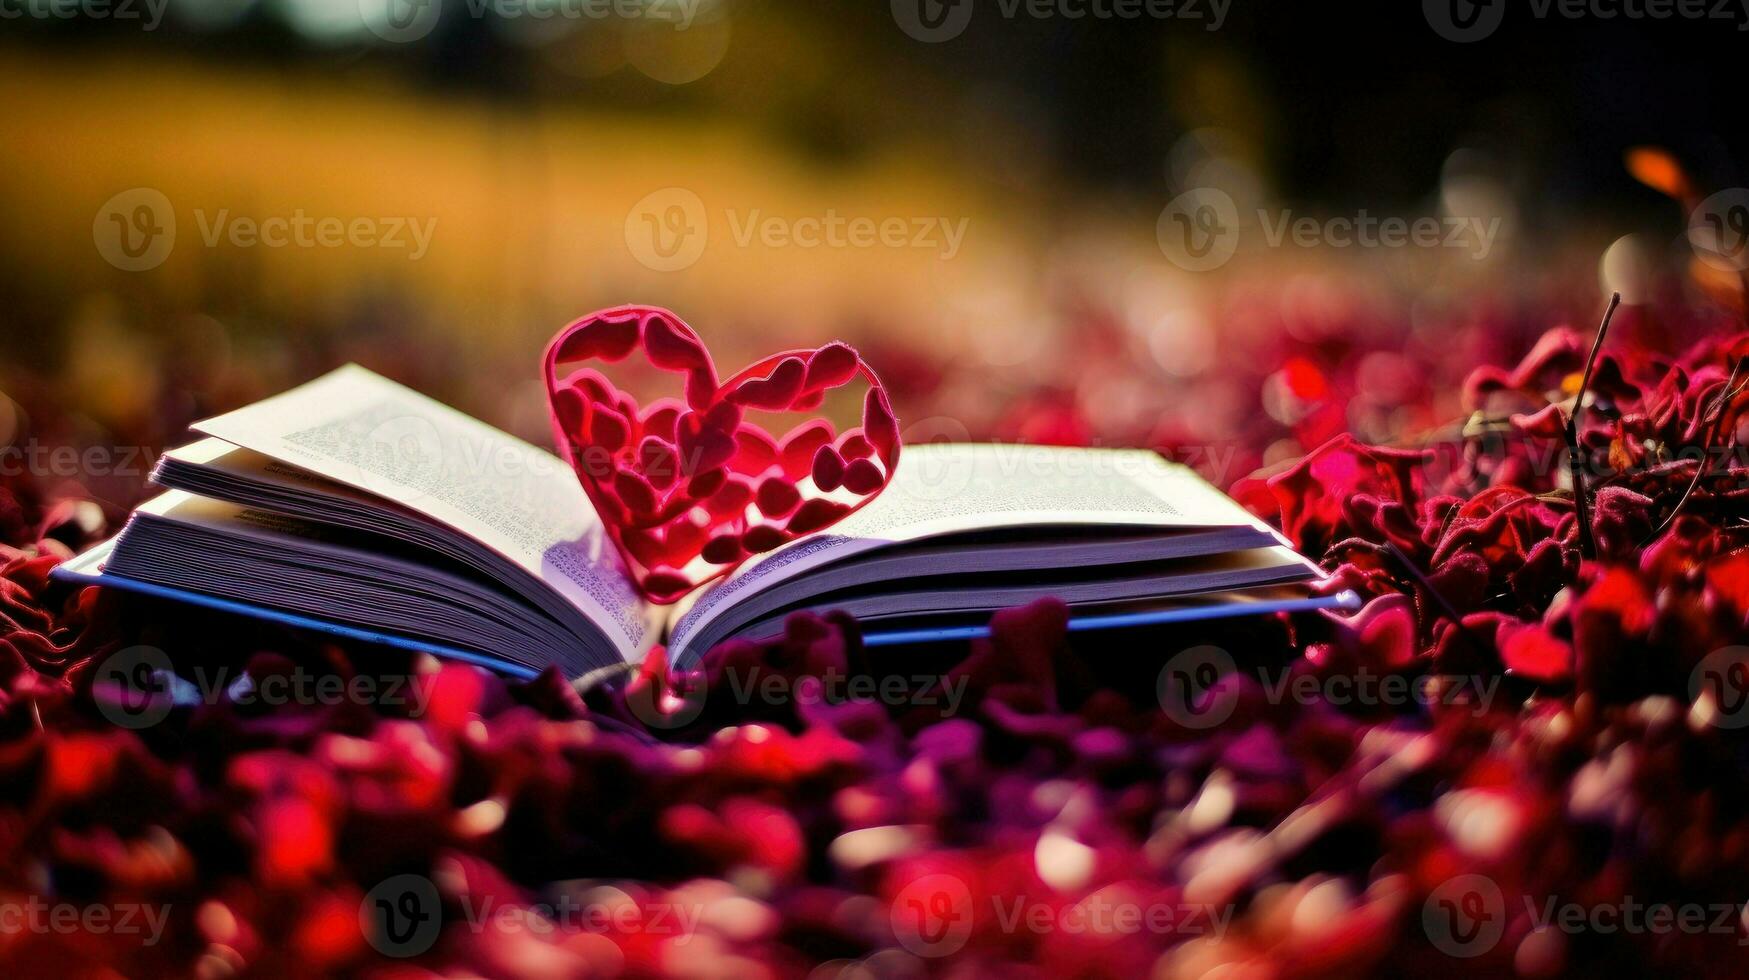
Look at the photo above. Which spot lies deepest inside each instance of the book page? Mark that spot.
(953, 488)
(973, 591)
(363, 430)
(264, 558)
(217, 455)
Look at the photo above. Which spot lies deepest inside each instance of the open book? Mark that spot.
(354, 505)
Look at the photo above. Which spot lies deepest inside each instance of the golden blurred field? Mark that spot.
(542, 206)
(530, 203)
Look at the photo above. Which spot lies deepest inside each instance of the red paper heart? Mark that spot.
(689, 489)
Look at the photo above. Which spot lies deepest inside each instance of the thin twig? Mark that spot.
(1727, 395)
(1439, 598)
(1581, 505)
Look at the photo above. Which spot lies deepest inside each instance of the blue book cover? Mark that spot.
(87, 570)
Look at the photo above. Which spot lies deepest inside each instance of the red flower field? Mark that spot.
(1525, 755)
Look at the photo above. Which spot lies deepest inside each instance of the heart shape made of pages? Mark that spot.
(689, 488)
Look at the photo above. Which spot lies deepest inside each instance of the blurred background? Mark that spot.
(206, 201)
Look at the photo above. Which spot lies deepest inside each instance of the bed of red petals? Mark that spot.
(1575, 743)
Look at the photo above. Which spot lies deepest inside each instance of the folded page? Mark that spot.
(215, 468)
(362, 430)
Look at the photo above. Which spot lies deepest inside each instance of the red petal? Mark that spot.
(828, 469)
(763, 537)
(778, 496)
(635, 492)
(863, 477)
(673, 346)
(755, 452)
(879, 425)
(816, 514)
(798, 448)
(831, 366)
(1529, 651)
(609, 339)
(774, 393)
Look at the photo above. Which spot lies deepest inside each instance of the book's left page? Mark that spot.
(360, 429)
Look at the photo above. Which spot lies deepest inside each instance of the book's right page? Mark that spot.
(941, 489)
